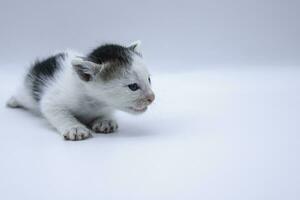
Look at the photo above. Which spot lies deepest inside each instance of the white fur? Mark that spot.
(70, 104)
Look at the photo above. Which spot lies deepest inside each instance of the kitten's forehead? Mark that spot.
(120, 63)
(119, 59)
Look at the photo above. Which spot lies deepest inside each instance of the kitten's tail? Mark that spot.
(13, 103)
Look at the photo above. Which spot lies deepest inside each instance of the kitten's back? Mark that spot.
(41, 73)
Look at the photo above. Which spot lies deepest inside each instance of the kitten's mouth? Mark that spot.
(138, 110)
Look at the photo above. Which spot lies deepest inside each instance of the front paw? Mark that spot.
(104, 126)
(77, 133)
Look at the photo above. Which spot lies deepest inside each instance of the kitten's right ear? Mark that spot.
(135, 46)
(86, 70)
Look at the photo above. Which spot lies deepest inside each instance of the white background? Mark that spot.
(225, 123)
(187, 32)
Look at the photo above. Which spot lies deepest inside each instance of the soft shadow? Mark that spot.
(130, 131)
(126, 130)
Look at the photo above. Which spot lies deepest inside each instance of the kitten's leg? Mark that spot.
(62, 119)
(104, 125)
(13, 103)
(22, 98)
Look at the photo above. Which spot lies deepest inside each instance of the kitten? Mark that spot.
(78, 94)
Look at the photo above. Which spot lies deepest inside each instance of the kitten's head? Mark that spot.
(116, 75)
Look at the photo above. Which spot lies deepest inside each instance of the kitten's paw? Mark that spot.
(104, 126)
(77, 133)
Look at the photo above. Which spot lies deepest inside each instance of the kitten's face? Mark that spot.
(116, 75)
(131, 92)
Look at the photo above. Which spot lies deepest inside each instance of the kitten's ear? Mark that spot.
(135, 46)
(86, 70)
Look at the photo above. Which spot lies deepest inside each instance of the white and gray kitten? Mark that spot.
(78, 94)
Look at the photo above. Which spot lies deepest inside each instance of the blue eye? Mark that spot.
(133, 87)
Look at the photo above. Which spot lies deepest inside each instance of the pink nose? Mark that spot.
(150, 98)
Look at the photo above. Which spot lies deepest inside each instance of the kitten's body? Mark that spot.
(78, 94)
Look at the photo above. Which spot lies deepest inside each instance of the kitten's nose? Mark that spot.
(150, 98)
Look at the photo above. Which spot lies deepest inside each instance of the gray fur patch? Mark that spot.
(118, 60)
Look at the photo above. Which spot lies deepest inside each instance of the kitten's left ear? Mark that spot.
(135, 46)
(86, 70)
